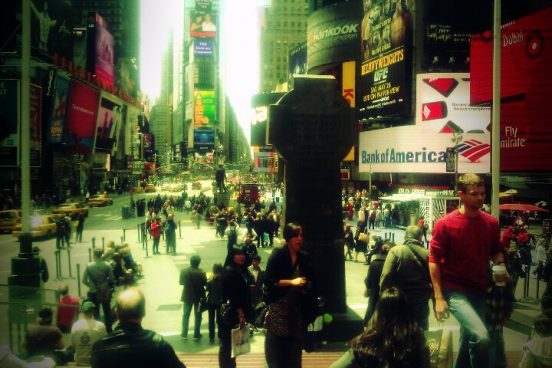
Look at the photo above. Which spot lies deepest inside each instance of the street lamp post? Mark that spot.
(456, 138)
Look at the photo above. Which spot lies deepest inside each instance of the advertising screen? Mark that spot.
(36, 125)
(443, 113)
(203, 23)
(9, 122)
(410, 149)
(204, 109)
(259, 119)
(59, 108)
(443, 105)
(81, 117)
(386, 34)
(204, 139)
(203, 47)
(526, 81)
(110, 119)
(297, 60)
(333, 34)
(101, 48)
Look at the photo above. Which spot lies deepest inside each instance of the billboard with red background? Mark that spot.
(526, 81)
(81, 116)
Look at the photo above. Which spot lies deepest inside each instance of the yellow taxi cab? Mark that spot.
(71, 209)
(8, 219)
(100, 200)
(150, 188)
(42, 226)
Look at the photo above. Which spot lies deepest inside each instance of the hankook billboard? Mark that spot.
(333, 34)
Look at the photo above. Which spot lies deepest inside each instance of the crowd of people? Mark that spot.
(468, 271)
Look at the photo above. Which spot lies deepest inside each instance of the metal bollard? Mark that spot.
(139, 233)
(122, 240)
(179, 230)
(393, 236)
(93, 243)
(78, 279)
(103, 243)
(146, 245)
(89, 254)
(69, 262)
(58, 266)
(124, 235)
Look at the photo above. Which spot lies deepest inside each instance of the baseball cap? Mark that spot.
(87, 306)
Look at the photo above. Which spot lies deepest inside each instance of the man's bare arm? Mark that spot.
(440, 305)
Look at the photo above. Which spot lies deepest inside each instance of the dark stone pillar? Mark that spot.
(312, 127)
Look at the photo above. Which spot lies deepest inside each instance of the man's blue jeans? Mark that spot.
(469, 310)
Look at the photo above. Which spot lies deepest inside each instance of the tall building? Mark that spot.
(123, 20)
(284, 29)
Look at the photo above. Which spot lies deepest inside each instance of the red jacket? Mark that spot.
(155, 229)
(68, 311)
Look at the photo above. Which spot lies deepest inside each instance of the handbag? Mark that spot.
(228, 314)
(240, 341)
(439, 343)
(203, 305)
(276, 319)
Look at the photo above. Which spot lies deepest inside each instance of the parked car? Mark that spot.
(100, 200)
(71, 209)
(8, 219)
(42, 226)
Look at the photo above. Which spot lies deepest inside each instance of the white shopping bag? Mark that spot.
(240, 341)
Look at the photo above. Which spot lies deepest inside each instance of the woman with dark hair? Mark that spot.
(236, 290)
(391, 338)
(290, 298)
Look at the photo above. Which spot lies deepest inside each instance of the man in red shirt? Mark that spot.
(462, 244)
(68, 309)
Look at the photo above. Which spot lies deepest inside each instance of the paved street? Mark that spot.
(160, 285)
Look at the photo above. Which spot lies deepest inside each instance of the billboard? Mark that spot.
(204, 139)
(109, 122)
(526, 81)
(333, 34)
(203, 47)
(442, 109)
(59, 108)
(35, 136)
(386, 34)
(410, 149)
(204, 109)
(81, 117)
(259, 120)
(203, 23)
(443, 105)
(297, 60)
(101, 53)
(9, 122)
